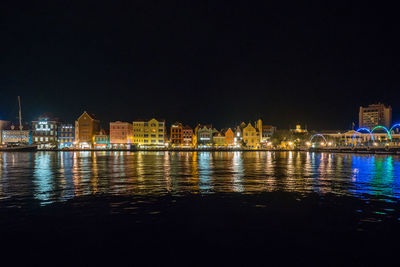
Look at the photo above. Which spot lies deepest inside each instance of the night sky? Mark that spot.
(218, 62)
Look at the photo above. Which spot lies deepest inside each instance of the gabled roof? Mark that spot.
(91, 116)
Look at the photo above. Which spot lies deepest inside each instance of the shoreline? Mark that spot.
(390, 151)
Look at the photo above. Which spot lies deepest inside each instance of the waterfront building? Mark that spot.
(176, 134)
(352, 138)
(204, 135)
(121, 134)
(266, 132)
(3, 126)
(229, 137)
(374, 115)
(101, 140)
(194, 137)
(251, 137)
(299, 130)
(86, 127)
(66, 136)
(149, 133)
(187, 135)
(45, 132)
(218, 139)
(12, 135)
(238, 138)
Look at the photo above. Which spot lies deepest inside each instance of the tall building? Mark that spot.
(176, 134)
(374, 115)
(121, 134)
(86, 127)
(187, 135)
(45, 132)
(149, 133)
(66, 136)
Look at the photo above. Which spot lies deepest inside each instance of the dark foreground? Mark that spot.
(208, 230)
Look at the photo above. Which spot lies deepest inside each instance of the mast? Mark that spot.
(20, 120)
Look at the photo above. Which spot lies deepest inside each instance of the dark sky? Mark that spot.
(218, 62)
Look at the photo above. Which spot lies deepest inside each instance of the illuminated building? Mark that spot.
(176, 134)
(3, 125)
(251, 137)
(374, 115)
(13, 135)
(299, 129)
(265, 132)
(229, 137)
(187, 135)
(86, 126)
(238, 135)
(149, 133)
(45, 131)
(101, 140)
(204, 135)
(66, 135)
(218, 139)
(121, 134)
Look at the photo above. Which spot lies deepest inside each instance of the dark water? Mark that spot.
(199, 208)
(58, 176)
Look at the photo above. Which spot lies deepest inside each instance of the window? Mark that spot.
(153, 136)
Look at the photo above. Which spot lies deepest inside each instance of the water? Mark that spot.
(199, 208)
(58, 176)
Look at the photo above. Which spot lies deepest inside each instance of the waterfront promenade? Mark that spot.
(344, 149)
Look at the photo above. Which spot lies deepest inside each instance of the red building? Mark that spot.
(120, 133)
(187, 136)
(176, 134)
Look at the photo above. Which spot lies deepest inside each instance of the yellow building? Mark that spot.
(251, 137)
(218, 139)
(86, 127)
(149, 133)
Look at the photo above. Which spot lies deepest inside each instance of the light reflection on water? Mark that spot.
(59, 176)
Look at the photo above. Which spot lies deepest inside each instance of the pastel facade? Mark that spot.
(218, 139)
(149, 133)
(66, 136)
(251, 137)
(86, 127)
(101, 140)
(229, 137)
(121, 134)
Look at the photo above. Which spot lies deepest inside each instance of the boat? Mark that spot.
(19, 146)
